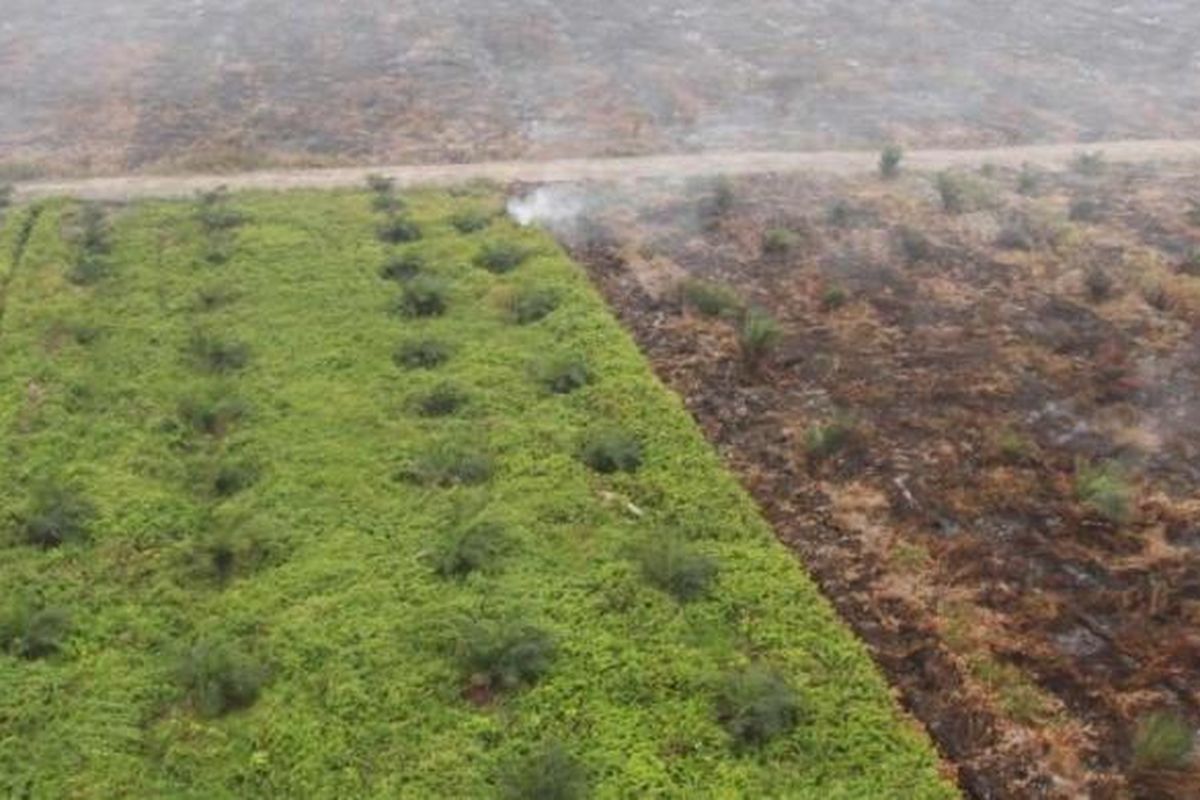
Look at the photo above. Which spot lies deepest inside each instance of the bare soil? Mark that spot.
(977, 371)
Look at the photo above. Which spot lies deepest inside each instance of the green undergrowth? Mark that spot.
(279, 580)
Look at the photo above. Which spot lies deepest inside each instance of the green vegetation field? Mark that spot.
(277, 524)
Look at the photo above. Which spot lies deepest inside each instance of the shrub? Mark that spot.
(710, 298)
(380, 184)
(424, 296)
(231, 547)
(6, 196)
(779, 241)
(755, 705)
(551, 773)
(833, 298)
(1103, 489)
(93, 229)
(504, 655)
(842, 215)
(403, 267)
(57, 514)
(1090, 164)
(229, 479)
(442, 400)
(468, 550)
(398, 229)
(29, 633)
(89, 269)
(387, 203)
(1086, 210)
(722, 200)
(1099, 283)
(962, 193)
(757, 336)
(914, 245)
(449, 465)
(421, 354)
(1029, 181)
(470, 220)
(1156, 295)
(534, 305)
(210, 298)
(563, 374)
(1193, 213)
(1163, 741)
(214, 212)
(610, 451)
(212, 413)
(674, 567)
(217, 250)
(219, 678)
(215, 354)
(889, 160)
(1191, 264)
(824, 441)
(501, 257)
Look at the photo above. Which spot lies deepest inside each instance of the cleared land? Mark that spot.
(979, 427)
(267, 505)
(150, 85)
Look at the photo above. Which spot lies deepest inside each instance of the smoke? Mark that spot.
(557, 208)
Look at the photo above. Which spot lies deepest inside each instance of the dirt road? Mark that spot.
(608, 169)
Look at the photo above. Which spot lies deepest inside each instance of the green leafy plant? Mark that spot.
(469, 549)
(1104, 490)
(219, 678)
(889, 161)
(758, 335)
(676, 568)
(608, 451)
(1164, 740)
(550, 773)
(710, 298)
(504, 655)
(402, 267)
(533, 305)
(501, 257)
(31, 633)
(440, 401)
(57, 514)
(421, 354)
(423, 296)
(756, 705)
(93, 229)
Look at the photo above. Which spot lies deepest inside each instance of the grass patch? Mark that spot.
(711, 299)
(1104, 491)
(345, 566)
(676, 568)
(57, 514)
(550, 773)
(609, 450)
(502, 257)
(32, 633)
(423, 296)
(1164, 740)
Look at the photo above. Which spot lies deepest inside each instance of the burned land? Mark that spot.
(976, 422)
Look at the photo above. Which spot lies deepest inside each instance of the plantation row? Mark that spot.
(388, 483)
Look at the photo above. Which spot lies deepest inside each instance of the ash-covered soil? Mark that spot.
(980, 430)
(109, 87)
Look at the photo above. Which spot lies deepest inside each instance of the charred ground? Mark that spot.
(978, 429)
